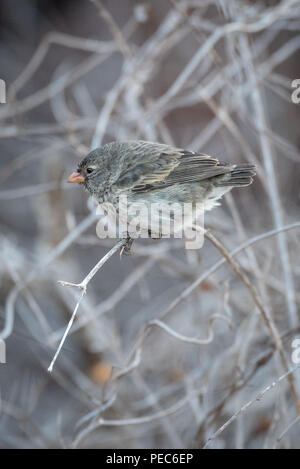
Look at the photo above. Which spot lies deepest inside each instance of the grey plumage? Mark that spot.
(141, 167)
(152, 172)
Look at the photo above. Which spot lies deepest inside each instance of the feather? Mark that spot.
(162, 166)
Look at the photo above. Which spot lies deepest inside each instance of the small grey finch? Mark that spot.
(151, 173)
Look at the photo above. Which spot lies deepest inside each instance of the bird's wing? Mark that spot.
(162, 166)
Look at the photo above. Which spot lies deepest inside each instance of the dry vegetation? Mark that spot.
(170, 348)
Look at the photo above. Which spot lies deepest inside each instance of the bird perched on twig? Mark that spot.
(150, 173)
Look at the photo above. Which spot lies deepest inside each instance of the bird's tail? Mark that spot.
(241, 175)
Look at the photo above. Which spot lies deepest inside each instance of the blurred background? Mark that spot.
(213, 76)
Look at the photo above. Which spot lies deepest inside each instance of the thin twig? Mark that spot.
(83, 286)
(144, 332)
(265, 314)
(258, 397)
(53, 254)
(191, 340)
(115, 30)
(274, 195)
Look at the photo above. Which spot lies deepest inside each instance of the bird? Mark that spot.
(149, 173)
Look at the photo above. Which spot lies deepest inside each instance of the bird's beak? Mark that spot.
(76, 177)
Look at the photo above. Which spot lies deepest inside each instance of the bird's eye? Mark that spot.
(89, 170)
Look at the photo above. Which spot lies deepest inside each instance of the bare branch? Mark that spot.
(83, 286)
(258, 397)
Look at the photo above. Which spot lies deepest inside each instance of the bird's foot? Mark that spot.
(126, 247)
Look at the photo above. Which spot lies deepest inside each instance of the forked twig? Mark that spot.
(83, 287)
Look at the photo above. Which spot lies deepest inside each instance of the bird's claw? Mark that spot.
(126, 247)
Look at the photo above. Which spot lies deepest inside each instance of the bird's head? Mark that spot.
(92, 171)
